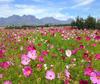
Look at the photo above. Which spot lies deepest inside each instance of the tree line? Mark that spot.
(80, 23)
(88, 23)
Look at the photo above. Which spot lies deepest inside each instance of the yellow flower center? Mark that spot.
(28, 72)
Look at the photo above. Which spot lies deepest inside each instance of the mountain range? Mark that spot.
(31, 20)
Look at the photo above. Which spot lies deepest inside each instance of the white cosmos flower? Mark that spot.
(46, 68)
(68, 53)
(52, 65)
(21, 48)
(45, 65)
(67, 66)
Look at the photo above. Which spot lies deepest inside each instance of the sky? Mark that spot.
(59, 9)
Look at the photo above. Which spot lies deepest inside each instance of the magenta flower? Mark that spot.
(5, 65)
(86, 57)
(44, 53)
(31, 47)
(82, 46)
(41, 59)
(7, 82)
(83, 82)
(88, 38)
(95, 77)
(97, 38)
(94, 45)
(1, 54)
(50, 75)
(75, 51)
(97, 56)
(66, 81)
(25, 60)
(79, 38)
(88, 71)
(32, 54)
(27, 71)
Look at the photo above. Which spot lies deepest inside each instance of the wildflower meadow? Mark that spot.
(49, 56)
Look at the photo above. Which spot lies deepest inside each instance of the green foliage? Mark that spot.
(80, 22)
(88, 23)
(98, 24)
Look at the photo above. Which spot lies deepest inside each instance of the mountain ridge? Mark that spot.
(31, 20)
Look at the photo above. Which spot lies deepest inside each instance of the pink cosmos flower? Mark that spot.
(83, 82)
(50, 75)
(39, 66)
(97, 56)
(7, 82)
(25, 60)
(27, 71)
(86, 57)
(95, 77)
(32, 54)
(41, 59)
(75, 51)
(79, 38)
(88, 38)
(1, 75)
(31, 47)
(1, 54)
(66, 81)
(44, 53)
(82, 46)
(97, 38)
(88, 71)
(94, 45)
(5, 65)
(67, 74)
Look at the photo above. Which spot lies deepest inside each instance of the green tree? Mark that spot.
(80, 22)
(73, 23)
(90, 22)
(98, 24)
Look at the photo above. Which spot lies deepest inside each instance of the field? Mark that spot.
(49, 56)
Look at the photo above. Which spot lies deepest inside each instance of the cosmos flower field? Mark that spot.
(49, 56)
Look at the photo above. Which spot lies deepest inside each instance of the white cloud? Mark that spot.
(80, 3)
(39, 12)
(58, 15)
(7, 10)
(28, 10)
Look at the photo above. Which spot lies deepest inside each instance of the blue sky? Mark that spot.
(60, 9)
